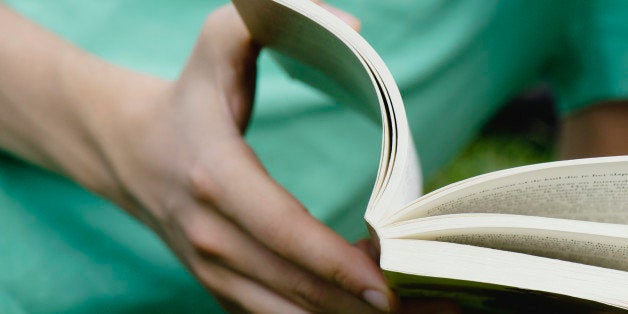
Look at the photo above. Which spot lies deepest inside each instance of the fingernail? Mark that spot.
(377, 299)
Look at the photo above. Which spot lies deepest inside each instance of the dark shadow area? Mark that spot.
(523, 132)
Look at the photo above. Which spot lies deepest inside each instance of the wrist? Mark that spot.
(116, 113)
(66, 110)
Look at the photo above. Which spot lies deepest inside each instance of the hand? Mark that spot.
(599, 130)
(179, 163)
(172, 154)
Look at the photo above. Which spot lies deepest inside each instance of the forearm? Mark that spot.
(56, 100)
(601, 130)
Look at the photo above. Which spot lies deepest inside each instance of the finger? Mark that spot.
(239, 294)
(238, 54)
(270, 214)
(217, 240)
(223, 65)
(367, 247)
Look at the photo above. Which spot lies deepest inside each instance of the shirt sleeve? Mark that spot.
(594, 65)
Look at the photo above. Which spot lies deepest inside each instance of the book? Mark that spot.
(548, 237)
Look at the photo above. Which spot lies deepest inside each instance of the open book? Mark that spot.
(549, 237)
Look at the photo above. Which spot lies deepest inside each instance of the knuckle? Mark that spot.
(211, 276)
(205, 243)
(202, 185)
(311, 293)
(215, 19)
(339, 274)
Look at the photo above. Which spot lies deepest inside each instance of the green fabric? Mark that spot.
(65, 250)
(595, 63)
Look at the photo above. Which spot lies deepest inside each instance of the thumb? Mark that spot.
(224, 37)
(223, 65)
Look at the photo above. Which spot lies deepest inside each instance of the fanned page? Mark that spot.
(495, 281)
(591, 243)
(518, 230)
(593, 189)
(320, 49)
(475, 241)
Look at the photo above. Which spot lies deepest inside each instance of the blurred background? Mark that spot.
(523, 132)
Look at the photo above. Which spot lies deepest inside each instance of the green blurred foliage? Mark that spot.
(522, 133)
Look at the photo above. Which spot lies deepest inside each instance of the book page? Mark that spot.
(478, 297)
(591, 243)
(608, 253)
(593, 189)
(315, 46)
(490, 268)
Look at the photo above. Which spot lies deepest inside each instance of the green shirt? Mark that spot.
(65, 250)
